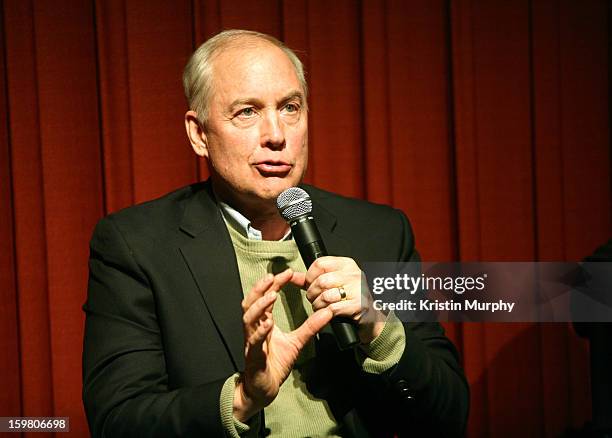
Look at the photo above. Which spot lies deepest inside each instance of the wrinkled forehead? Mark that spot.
(253, 57)
(253, 65)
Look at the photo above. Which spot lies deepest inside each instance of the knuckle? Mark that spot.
(329, 296)
(322, 282)
(322, 262)
(327, 281)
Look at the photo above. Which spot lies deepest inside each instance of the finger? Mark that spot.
(278, 281)
(257, 291)
(268, 283)
(350, 308)
(311, 326)
(299, 279)
(327, 297)
(330, 264)
(323, 282)
(255, 346)
(320, 266)
(257, 337)
(281, 279)
(258, 310)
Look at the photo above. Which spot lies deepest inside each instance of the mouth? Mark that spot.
(273, 168)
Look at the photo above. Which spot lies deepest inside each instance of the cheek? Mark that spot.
(234, 165)
(231, 149)
(301, 142)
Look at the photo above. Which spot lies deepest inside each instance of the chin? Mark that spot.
(271, 191)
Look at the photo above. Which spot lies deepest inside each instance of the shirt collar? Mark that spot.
(241, 224)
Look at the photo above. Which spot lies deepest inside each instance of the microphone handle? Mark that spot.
(311, 247)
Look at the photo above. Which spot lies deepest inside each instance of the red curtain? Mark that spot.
(487, 122)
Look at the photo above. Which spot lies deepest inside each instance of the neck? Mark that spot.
(271, 227)
(263, 215)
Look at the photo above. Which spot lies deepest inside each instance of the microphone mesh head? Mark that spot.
(293, 203)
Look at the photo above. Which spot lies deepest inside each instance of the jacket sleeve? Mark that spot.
(125, 383)
(425, 393)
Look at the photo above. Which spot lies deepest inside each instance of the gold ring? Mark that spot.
(342, 293)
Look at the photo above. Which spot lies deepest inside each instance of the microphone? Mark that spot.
(295, 206)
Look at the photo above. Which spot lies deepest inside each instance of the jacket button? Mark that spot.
(404, 390)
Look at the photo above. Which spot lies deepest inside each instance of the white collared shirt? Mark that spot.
(241, 224)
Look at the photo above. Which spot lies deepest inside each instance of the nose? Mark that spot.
(272, 131)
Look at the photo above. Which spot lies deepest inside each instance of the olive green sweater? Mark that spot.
(295, 412)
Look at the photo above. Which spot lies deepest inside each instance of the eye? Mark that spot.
(246, 112)
(291, 108)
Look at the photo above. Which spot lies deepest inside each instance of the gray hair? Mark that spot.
(198, 77)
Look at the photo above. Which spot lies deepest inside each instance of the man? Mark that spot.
(202, 320)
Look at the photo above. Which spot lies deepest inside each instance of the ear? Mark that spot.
(196, 134)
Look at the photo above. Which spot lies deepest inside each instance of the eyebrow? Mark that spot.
(293, 95)
(257, 102)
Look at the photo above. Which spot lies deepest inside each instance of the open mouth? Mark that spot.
(273, 168)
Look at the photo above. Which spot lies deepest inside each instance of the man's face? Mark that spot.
(256, 133)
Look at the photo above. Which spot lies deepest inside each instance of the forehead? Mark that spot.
(253, 68)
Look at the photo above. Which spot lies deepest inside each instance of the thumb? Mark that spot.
(312, 326)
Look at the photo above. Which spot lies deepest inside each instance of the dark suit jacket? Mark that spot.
(164, 329)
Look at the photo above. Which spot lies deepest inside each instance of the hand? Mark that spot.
(322, 282)
(269, 353)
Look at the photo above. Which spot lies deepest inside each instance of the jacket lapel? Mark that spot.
(326, 223)
(211, 259)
